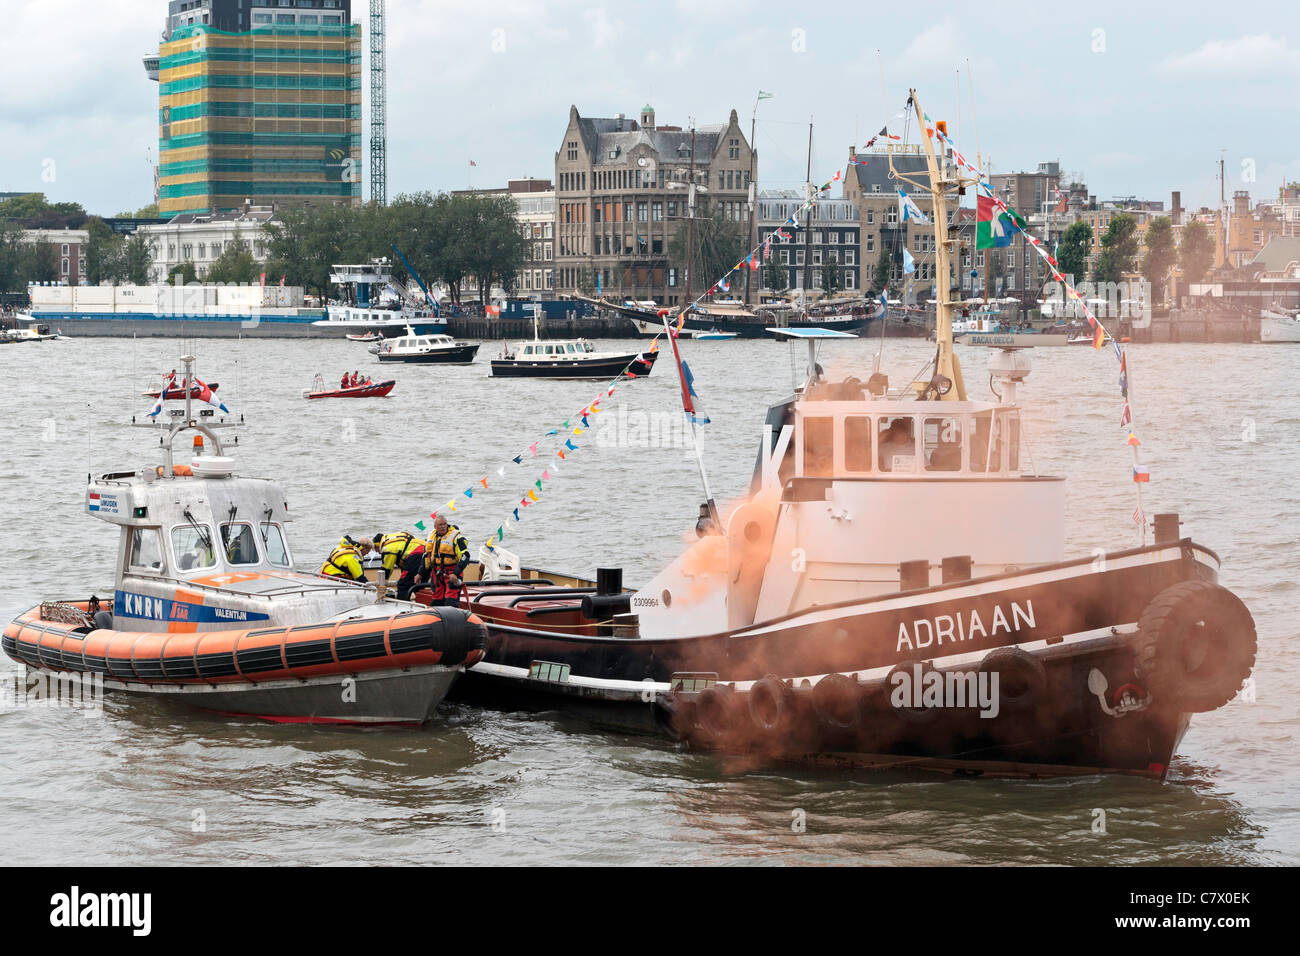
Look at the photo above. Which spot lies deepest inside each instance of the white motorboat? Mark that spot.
(1277, 325)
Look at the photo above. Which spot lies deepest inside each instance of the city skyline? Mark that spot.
(463, 85)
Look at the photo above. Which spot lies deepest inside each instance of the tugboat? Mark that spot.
(842, 616)
(209, 609)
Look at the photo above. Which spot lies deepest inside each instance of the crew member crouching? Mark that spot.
(445, 557)
(345, 560)
(401, 551)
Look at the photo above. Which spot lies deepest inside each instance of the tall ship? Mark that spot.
(371, 302)
(193, 310)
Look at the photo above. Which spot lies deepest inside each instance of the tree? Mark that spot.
(831, 276)
(12, 252)
(1160, 255)
(1195, 251)
(104, 253)
(586, 283)
(235, 265)
(1075, 247)
(185, 271)
(494, 248)
(775, 275)
(1119, 248)
(34, 211)
(719, 245)
(40, 262)
(880, 274)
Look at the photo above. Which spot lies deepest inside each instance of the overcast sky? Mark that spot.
(1138, 101)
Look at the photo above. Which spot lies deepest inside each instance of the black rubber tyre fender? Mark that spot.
(771, 705)
(913, 715)
(837, 699)
(714, 710)
(1196, 645)
(1022, 679)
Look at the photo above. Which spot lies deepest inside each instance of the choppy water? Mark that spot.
(1221, 431)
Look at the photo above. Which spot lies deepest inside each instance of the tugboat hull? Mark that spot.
(1087, 660)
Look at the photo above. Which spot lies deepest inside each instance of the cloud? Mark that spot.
(1254, 54)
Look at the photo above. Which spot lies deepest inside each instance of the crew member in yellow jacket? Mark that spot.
(446, 555)
(404, 552)
(345, 560)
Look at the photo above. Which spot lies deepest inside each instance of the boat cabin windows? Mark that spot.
(145, 551)
(237, 540)
(192, 547)
(896, 441)
(943, 443)
(819, 447)
(987, 444)
(277, 552)
(840, 441)
(857, 443)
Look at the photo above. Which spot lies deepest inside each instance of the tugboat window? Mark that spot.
(897, 440)
(943, 444)
(818, 447)
(276, 550)
(986, 446)
(145, 553)
(237, 539)
(191, 549)
(857, 443)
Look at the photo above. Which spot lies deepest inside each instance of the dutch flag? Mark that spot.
(690, 400)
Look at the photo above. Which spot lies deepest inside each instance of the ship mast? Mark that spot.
(945, 359)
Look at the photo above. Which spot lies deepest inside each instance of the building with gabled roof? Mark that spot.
(621, 196)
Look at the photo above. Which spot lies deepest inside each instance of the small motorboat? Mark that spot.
(366, 389)
(426, 350)
(32, 332)
(209, 608)
(713, 335)
(569, 359)
(366, 337)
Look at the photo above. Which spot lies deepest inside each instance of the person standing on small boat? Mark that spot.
(400, 551)
(445, 558)
(345, 560)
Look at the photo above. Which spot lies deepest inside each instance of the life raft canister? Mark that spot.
(1196, 646)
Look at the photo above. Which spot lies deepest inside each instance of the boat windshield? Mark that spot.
(273, 540)
(191, 547)
(237, 539)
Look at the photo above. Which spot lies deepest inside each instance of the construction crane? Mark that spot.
(378, 132)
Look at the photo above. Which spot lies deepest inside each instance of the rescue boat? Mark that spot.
(210, 607)
(895, 592)
(367, 389)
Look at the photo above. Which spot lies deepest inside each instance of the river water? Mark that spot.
(146, 782)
